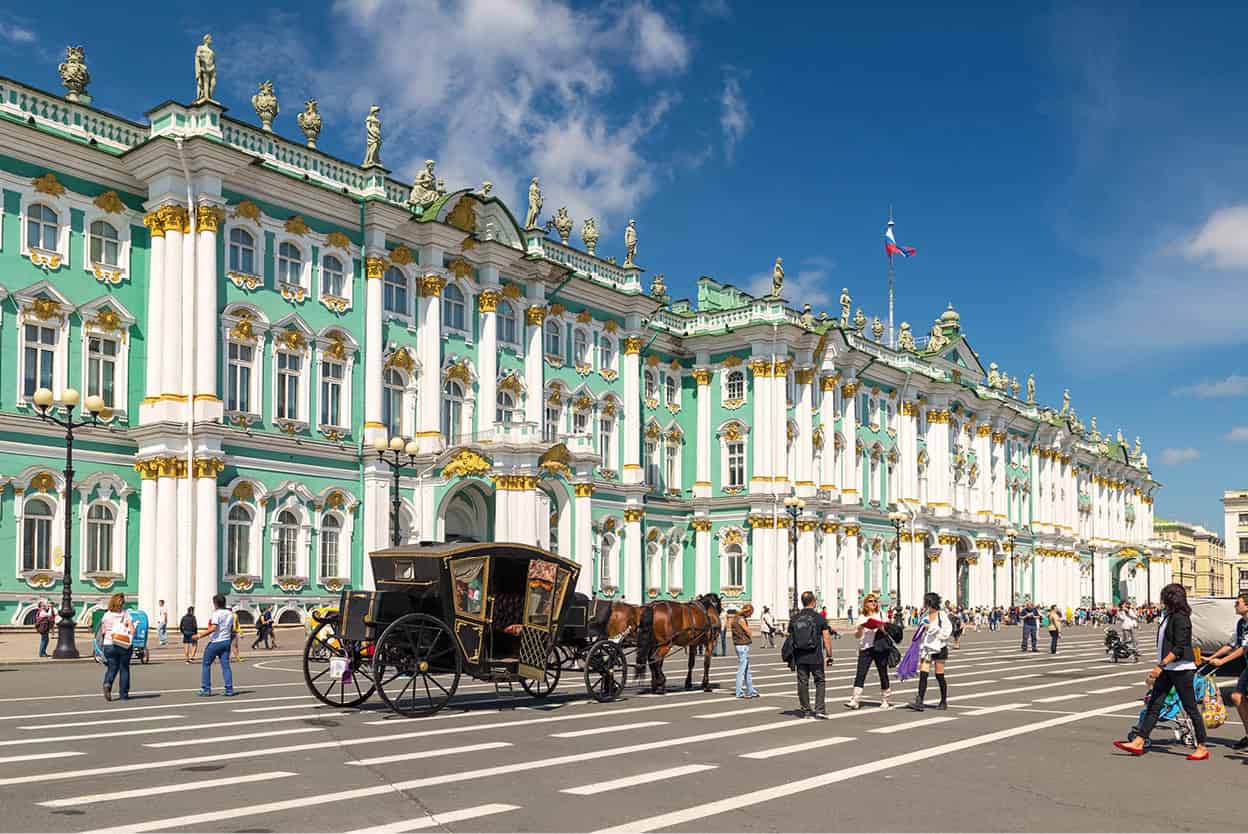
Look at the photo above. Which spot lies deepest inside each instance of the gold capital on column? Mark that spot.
(174, 218)
(209, 218)
(207, 467)
(487, 301)
(702, 376)
(632, 344)
(534, 316)
(634, 514)
(374, 267)
(431, 285)
(583, 490)
(154, 224)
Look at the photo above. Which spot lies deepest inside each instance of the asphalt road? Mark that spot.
(1025, 746)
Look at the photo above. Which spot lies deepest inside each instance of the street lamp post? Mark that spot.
(794, 506)
(1011, 534)
(396, 454)
(65, 647)
(898, 518)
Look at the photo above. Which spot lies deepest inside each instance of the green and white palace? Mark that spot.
(258, 314)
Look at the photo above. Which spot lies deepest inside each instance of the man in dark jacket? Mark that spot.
(810, 643)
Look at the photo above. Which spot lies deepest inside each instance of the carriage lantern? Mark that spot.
(794, 506)
(898, 518)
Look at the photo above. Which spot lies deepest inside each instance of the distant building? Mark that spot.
(1235, 514)
(1198, 558)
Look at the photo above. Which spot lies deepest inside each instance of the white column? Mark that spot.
(582, 512)
(167, 532)
(487, 356)
(760, 439)
(429, 348)
(938, 475)
(852, 578)
(851, 482)
(376, 517)
(374, 350)
(154, 374)
(806, 577)
(827, 420)
(982, 502)
(533, 364)
(147, 536)
(828, 579)
(207, 532)
(804, 479)
(702, 477)
(702, 556)
(208, 219)
(184, 551)
(633, 592)
(175, 292)
(778, 424)
(631, 429)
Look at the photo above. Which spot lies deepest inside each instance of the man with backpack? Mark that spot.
(1031, 625)
(807, 649)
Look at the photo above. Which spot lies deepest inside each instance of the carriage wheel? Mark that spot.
(546, 685)
(569, 658)
(417, 665)
(606, 671)
(323, 645)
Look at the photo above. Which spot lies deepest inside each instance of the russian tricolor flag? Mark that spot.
(890, 244)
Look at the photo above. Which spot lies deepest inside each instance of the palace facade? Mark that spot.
(258, 314)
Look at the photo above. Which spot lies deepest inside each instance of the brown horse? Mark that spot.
(611, 618)
(667, 625)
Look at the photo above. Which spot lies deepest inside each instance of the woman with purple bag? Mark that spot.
(933, 643)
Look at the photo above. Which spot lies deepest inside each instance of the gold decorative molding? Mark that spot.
(337, 347)
(109, 203)
(43, 482)
(556, 309)
(634, 514)
(48, 184)
(807, 525)
(459, 371)
(247, 209)
(244, 280)
(431, 285)
(583, 490)
(464, 215)
(998, 437)
(512, 291)
(290, 339)
(296, 225)
(852, 529)
(467, 462)
(632, 344)
(759, 367)
(401, 359)
(487, 301)
(374, 267)
(984, 430)
(829, 527)
(534, 316)
(401, 255)
(44, 309)
(849, 389)
(44, 259)
(702, 376)
(611, 326)
(338, 240)
(154, 227)
(207, 467)
(761, 522)
(511, 382)
(243, 330)
(804, 376)
(937, 416)
(701, 525)
(294, 293)
(174, 218)
(209, 218)
(461, 268)
(515, 483)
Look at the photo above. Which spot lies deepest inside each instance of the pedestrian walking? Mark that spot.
(934, 651)
(769, 627)
(44, 619)
(1055, 628)
(115, 635)
(1176, 667)
(220, 632)
(235, 642)
(264, 627)
(808, 648)
(187, 626)
(1031, 625)
(1127, 623)
(1235, 649)
(874, 646)
(741, 640)
(722, 648)
(162, 623)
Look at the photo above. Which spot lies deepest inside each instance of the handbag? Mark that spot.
(120, 633)
(1212, 708)
(908, 666)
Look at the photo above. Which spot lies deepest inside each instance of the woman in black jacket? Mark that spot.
(1176, 666)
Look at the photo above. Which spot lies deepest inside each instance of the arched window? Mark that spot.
(452, 411)
(105, 247)
(286, 561)
(671, 390)
(654, 566)
(735, 383)
(675, 574)
(100, 539)
(554, 339)
(37, 535)
(606, 353)
(238, 541)
(42, 228)
(289, 264)
(506, 323)
(394, 291)
(506, 410)
(453, 307)
(651, 388)
(333, 276)
(331, 533)
(392, 402)
(242, 252)
(733, 573)
(922, 482)
(580, 347)
(606, 560)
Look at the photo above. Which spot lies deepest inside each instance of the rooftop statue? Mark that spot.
(563, 224)
(860, 321)
(535, 205)
(1096, 435)
(74, 74)
(205, 71)
(877, 328)
(630, 243)
(264, 102)
(1031, 388)
(1136, 452)
(807, 318)
(372, 137)
(936, 340)
(1065, 402)
(777, 277)
(658, 287)
(845, 305)
(310, 122)
(424, 187)
(905, 337)
(486, 187)
(589, 233)
(1014, 387)
(994, 375)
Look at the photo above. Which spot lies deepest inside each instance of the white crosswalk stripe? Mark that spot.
(639, 779)
(913, 725)
(158, 790)
(437, 820)
(611, 728)
(772, 752)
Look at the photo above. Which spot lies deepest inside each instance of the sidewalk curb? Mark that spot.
(156, 659)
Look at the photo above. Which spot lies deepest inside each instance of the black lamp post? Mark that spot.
(898, 518)
(65, 647)
(397, 454)
(1011, 535)
(794, 506)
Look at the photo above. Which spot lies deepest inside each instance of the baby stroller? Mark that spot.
(1117, 648)
(1172, 714)
(138, 642)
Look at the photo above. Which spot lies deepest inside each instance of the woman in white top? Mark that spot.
(114, 636)
(869, 653)
(934, 650)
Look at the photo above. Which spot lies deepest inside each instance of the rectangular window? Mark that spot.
(40, 358)
(864, 409)
(1243, 519)
(652, 464)
(1243, 546)
(671, 479)
(102, 368)
(331, 393)
(580, 422)
(550, 430)
(288, 368)
(238, 378)
(605, 442)
(736, 464)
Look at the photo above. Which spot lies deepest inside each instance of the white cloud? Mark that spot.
(1223, 239)
(715, 8)
(810, 283)
(734, 114)
(1238, 434)
(661, 48)
(1174, 457)
(13, 33)
(1234, 385)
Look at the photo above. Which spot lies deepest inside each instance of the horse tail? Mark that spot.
(645, 636)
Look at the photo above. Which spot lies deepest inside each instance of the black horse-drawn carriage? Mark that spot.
(500, 613)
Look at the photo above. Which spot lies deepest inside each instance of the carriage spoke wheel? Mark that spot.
(543, 687)
(417, 665)
(325, 644)
(606, 671)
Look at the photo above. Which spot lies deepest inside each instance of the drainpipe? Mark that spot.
(189, 346)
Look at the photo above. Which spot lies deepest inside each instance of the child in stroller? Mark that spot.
(1172, 714)
(1117, 648)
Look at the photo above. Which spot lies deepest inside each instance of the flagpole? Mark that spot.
(891, 338)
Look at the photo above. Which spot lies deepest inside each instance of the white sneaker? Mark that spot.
(885, 705)
(852, 704)
(821, 715)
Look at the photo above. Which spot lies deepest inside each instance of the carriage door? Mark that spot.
(469, 581)
(543, 597)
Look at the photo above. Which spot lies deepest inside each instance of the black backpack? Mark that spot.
(805, 632)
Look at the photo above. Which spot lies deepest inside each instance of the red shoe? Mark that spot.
(1127, 748)
(1192, 757)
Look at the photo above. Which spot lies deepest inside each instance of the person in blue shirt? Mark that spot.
(1031, 625)
(1237, 648)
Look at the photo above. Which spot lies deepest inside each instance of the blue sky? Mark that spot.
(1075, 179)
